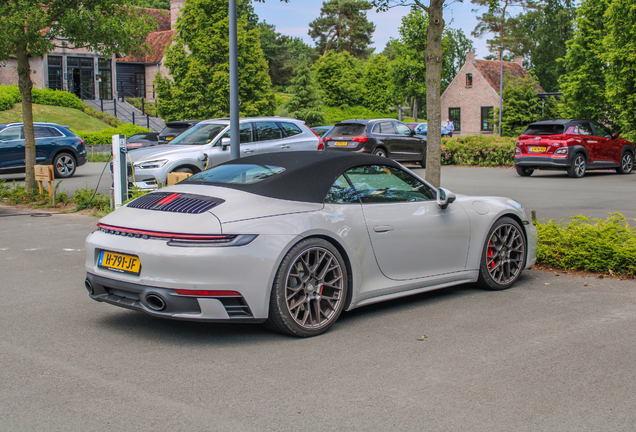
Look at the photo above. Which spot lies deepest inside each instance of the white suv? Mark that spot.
(207, 144)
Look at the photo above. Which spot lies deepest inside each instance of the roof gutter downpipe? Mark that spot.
(235, 152)
(500, 87)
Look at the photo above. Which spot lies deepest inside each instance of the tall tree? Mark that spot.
(620, 55)
(496, 21)
(433, 56)
(339, 76)
(305, 102)
(540, 36)
(283, 54)
(343, 26)
(583, 85)
(198, 64)
(376, 81)
(34, 28)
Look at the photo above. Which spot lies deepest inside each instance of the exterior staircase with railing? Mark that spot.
(127, 113)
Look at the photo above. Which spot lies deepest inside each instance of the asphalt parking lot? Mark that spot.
(552, 194)
(554, 353)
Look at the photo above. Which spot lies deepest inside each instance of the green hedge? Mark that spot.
(105, 137)
(594, 245)
(478, 150)
(9, 96)
(56, 98)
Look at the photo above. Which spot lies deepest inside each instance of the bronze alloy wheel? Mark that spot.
(309, 290)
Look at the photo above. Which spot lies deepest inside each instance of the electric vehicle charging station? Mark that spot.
(120, 172)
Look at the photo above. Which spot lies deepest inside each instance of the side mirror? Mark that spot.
(225, 143)
(614, 136)
(445, 197)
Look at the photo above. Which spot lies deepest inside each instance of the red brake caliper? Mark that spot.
(491, 253)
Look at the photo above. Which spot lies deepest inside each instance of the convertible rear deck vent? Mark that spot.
(236, 307)
(175, 202)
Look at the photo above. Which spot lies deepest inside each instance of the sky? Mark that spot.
(293, 19)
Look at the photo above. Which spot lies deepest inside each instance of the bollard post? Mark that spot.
(147, 121)
(533, 214)
(143, 106)
(133, 117)
(115, 107)
(101, 103)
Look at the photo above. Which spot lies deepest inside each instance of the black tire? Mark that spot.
(302, 303)
(626, 164)
(504, 255)
(423, 161)
(183, 170)
(578, 167)
(64, 165)
(524, 172)
(380, 152)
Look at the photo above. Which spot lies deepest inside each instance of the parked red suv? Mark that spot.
(573, 145)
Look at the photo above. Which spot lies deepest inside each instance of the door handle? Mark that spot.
(285, 146)
(248, 151)
(383, 228)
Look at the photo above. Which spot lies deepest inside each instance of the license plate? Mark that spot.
(538, 149)
(341, 143)
(121, 263)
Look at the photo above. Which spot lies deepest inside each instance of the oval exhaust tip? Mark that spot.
(89, 286)
(155, 302)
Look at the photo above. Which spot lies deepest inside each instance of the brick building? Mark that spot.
(471, 98)
(91, 76)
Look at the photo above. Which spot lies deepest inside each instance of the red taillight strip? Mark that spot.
(206, 293)
(360, 139)
(168, 199)
(158, 234)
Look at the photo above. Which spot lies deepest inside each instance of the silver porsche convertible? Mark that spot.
(293, 239)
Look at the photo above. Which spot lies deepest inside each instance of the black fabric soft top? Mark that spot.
(308, 175)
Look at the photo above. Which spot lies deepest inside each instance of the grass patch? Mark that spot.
(56, 114)
(589, 244)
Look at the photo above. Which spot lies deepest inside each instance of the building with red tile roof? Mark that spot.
(471, 98)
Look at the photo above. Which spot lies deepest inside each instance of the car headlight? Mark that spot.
(151, 164)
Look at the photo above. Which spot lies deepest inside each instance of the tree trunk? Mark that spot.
(433, 83)
(415, 110)
(25, 84)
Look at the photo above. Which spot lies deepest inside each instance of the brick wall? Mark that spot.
(469, 99)
(175, 11)
(9, 72)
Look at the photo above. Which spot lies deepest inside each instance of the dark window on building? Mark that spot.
(455, 115)
(105, 79)
(487, 118)
(140, 82)
(55, 72)
(469, 80)
(80, 77)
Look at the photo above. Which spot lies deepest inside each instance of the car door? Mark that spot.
(412, 237)
(295, 138)
(11, 148)
(46, 140)
(412, 147)
(270, 138)
(384, 133)
(589, 141)
(610, 150)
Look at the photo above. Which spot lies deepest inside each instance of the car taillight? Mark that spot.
(81, 141)
(320, 144)
(360, 139)
(517, 150)
(559, 137)
(207, 293)
(327, 139)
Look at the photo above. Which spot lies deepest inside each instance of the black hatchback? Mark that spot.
(54, 145)
(384, 137)
(174, 129)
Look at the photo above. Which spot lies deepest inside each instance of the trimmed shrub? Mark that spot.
(9, 96)
(478, 150)
(595, 245)
(109, 119)
(56, 98)
(105, 137)
(337, 114)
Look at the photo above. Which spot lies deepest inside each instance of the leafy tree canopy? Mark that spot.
(343, 26)
(199, 66)
(305, 103)
(376, 79)
(34, 28)
(339, 77)
(283, 53)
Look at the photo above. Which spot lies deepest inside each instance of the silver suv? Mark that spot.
(208, 144)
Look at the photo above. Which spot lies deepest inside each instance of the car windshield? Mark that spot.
(235, 174)
(350, 129)
(199, 134)
(544, 129)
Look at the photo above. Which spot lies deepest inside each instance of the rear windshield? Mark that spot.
(544, 129)
(235, 174)
(199, 134)
(173, 130)
(350, 129)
